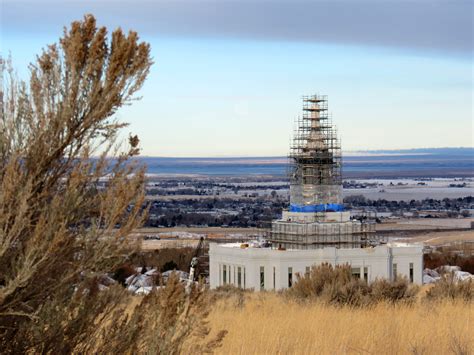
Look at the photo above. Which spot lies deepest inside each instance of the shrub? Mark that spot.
(70, 197)
(70, 193)
(355, 292)
(449, 287)
(336, 285)
(393, 291)
(169, 320)
(321, 277)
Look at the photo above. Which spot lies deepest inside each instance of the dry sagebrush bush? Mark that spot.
(450, 288)
(169, 320)
(69, 198)
(336, 285)
(64, 203)
(393, 291)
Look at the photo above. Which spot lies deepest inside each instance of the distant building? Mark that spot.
(315, 228)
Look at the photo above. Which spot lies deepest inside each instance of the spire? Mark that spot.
(315, 159)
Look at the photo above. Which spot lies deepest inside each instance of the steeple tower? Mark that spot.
(315, 160)
(316, 216)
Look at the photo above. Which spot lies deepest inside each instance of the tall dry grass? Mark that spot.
(269, 324)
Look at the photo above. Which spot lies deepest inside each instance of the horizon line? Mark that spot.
(393, 151)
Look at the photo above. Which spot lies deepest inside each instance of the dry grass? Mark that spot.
(269, 324)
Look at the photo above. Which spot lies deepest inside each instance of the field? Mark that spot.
(425, 224)
(441, 238)
(432, 232)
(270, 324)
(436, 189)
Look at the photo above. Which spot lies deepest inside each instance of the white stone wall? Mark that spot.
(276, 263)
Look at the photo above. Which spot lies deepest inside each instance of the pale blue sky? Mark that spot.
(229, 76)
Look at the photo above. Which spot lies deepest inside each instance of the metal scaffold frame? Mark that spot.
(316, 216)
(315, 153)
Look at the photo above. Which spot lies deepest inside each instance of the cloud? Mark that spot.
(443, 26)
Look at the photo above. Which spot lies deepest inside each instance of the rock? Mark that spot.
(447, 268)
(129, 279)
(427, 279)
(102, 287)
(106, 280)
(140, 280)
(132, 288)
(463, 276)
(143, 290)
(431, 273)
(152, 272)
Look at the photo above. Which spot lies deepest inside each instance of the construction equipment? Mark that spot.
(195, 266)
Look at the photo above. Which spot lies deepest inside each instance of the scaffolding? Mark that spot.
(316, 217)
(315, 160)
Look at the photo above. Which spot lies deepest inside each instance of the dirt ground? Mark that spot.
(171, 238)
(200, 230)
(425, 223)
(441, 238)
(172, 243)
(434, 232)
(401, 224)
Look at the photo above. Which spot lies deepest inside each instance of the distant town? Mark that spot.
(210, 201)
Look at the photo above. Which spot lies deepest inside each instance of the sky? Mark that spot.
(229, 75)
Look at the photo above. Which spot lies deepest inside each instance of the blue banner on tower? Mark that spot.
(325, 207)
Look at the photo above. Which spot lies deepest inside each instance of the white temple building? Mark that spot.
(262, 268)
(315, 229)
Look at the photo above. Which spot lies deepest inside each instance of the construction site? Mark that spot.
(316, 216)
(315, 160)
(315, 228)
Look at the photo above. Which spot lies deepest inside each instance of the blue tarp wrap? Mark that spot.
(325, 207)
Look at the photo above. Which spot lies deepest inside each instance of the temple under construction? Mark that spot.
(315, 228)
(316, 216)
